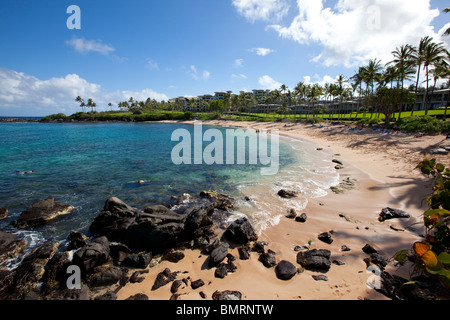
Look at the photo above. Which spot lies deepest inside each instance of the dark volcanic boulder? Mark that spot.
(287, 194)
(158, 229)
(389, 213)
(315, 260)
(268, 259)
(227, 295)
(285, 270)
(106, 278)
(241, 232)
(92, 255)
(326, 237)
(163, 278)
(3, 213)
(218, 255)
(219, 201)
(137, 261)
(42, 212)
(31, 270)
(115, 217)
(10, 246)
(55, 275)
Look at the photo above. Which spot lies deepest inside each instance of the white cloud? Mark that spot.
(24, 94)
(262, 51)
(262, 9)
(151, 64)
(266, 82)
(84, 46)
(206, 75)
(354, 31)
(237, 77)
(238, 63)
(193, 72)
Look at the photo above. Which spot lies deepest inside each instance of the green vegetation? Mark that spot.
(431, 256)
(375, 95)
(425, 124)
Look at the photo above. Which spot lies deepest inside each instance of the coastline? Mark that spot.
(385, 178)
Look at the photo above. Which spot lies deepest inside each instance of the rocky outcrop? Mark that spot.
(389, 213)
(3, 213)
(42, 212)
(421, 288)
(287, 194)
(10, 246)
(92, 255)
(315, 260)
(240, 232)
(219, 200)
(218, 255)
(163, 278)
(157, 228)
(268, 259)
(25, 278)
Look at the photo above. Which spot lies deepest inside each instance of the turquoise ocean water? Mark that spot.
(85, 164)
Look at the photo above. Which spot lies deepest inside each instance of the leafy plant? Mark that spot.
(425, 124)
(432, 255)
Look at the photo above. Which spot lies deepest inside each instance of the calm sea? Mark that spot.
(85, 164)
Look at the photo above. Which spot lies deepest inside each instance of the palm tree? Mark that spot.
(89, 104)
(276, 96)
(300, 91)
(110, 105)
(340, 91)
(372, 72)
(314, 92)
(404, 63)
(440, 71)
(283, 90)
(432, 56)
(81, 101)
(447, 32)
(358, 78)
(227, 100)
(193, 104)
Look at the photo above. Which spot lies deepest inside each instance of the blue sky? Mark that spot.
(166, 49)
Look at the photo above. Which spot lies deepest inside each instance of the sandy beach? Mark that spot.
(383, 166)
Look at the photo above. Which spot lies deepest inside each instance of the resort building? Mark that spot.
(264, 102)
(436, 99)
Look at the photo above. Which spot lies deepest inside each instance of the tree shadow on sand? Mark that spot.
(415, 192)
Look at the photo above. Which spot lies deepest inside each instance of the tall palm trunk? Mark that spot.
(417, 87)
(426, 94)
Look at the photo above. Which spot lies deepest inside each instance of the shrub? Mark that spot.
(188, 115)
(431, 255)
(369, 121)
(54, 117)
(425, 124)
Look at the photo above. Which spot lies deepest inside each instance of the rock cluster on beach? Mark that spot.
(124, 244)
(122, 238)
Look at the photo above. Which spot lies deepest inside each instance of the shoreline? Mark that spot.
(376, 170)
(353, 216)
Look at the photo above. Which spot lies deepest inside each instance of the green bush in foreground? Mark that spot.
(431, 256)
